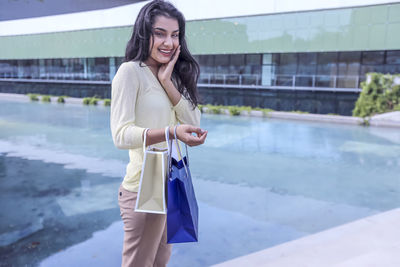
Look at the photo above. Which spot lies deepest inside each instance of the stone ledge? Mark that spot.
(372, 241)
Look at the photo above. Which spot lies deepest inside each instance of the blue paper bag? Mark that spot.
(182, 211)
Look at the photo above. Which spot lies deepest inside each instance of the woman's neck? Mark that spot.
(153, 66)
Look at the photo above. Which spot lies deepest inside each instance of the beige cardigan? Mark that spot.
(138, 101)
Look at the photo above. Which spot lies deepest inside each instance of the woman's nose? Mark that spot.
(168, 42)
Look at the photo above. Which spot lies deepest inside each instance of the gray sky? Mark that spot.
(18, 9)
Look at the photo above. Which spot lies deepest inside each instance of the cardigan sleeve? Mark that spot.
(124, 92)
(186, 114)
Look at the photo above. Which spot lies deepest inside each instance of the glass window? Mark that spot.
(34, 65)
(237, 63)
(392, 69)
(349, 63)
(307, 64)
(287, 64)
(102, 68)
(119, 61)
(393, 57)
(8, 69)
(221, 68)
(326, 69)
(306, 69)
(253, 59)
(371, 68)
(348, 69)
(25, 69)
(373, 57)
(221, 60)
(276, 59)
(237, 60)
(327, 63)
(206, 64)
(286, 68)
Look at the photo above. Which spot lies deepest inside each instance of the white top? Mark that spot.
(138, 101)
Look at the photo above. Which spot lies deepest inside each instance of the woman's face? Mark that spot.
(165, 39)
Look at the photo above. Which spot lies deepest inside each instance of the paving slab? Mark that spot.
(389, 119)
(372, 241)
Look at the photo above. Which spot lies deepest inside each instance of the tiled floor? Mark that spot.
(372, 241)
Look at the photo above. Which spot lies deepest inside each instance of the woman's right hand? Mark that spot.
(184, 133)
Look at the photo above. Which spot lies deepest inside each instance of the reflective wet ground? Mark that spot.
(259, 183)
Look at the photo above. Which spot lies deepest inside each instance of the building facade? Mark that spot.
(286, 60)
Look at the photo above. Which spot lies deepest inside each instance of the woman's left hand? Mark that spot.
(165, 70)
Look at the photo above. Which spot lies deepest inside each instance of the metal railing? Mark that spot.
(97, 76)
(334, 81)
(340, 82)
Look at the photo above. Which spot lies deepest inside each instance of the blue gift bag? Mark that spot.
(182, 212)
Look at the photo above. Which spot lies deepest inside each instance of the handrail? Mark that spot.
(278, 80)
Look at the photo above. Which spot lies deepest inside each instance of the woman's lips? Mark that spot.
(165, 52)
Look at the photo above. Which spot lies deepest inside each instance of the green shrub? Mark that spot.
(86, 101)
(61, 99)
(33, 97)
(107, 102)
(93, 101)
(245, 108)
(300, 112)
(266, 111)
(214, 109)
(234, 110)
(46, 98)
(200, 106)
(378, 96)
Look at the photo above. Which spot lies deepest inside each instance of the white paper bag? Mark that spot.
(151, 195)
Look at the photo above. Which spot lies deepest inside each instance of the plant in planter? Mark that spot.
(379, 94)
(86, 101)
(93, 101)
(46, 98)
(33, 97)
(107, 102)
(234, 110)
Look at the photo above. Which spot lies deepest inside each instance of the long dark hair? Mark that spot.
(186, 70)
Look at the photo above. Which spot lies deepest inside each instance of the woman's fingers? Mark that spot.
(170, 65)
(176, 55)
(185, 134)
(196, 140)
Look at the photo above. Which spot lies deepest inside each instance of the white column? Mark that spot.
(112, 67)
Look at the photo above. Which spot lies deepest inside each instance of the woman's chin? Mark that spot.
(163, 59)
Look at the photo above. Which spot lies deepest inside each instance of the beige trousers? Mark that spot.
(145, 234)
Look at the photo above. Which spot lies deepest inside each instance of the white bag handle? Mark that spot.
(145, 136)
(179, 151)
(144, 140)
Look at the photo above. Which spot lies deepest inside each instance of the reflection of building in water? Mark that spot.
(302, 46)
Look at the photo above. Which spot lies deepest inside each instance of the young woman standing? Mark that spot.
(155, 87)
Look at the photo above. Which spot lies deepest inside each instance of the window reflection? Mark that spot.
(313, 69)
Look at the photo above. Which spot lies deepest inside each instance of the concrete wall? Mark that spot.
(283, 100)
(48, 88)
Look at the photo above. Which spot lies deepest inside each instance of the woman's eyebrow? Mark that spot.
(164, 30)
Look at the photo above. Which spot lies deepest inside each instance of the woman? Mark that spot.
(155, 87)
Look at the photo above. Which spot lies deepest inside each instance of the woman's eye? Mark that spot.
(158, 34)
(175, 35)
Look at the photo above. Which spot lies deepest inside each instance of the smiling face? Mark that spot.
(165, 40)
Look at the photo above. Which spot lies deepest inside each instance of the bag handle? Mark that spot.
(144, 140)
(145, 136)
(179, 151)
(169, 146)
